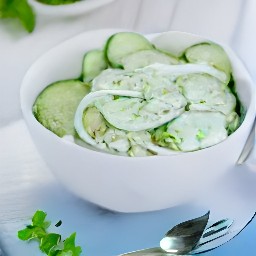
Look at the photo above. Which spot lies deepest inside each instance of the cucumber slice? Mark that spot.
(210, 54)
(207, 93)
(55, 107)
(93, 64)
(144, 58)
(123, 44)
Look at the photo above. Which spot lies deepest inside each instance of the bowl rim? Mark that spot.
(29, 117)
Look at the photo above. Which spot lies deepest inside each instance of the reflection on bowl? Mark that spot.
(76, 8)
(122, 183)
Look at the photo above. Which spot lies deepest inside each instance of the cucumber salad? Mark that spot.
(134, 99)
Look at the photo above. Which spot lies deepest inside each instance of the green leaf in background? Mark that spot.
(5, 9)
(19, 9)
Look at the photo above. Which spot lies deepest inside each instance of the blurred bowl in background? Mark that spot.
(73, 9)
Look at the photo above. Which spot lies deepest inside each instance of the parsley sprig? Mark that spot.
(49, 243)
(18, 9)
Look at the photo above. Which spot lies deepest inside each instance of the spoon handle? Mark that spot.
(157, 251)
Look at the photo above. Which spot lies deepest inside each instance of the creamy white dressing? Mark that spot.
(178, 70)
(134, 114)
(197, 129)
(117, 79)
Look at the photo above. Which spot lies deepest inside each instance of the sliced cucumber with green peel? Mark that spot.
(210, 54)
(93, 64)
(144, 58)
(123, 44)
(55, 107)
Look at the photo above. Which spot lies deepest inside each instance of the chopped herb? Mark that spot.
(135, 116)
(165, 139)
(69, 246)
(39, 220)
(116, 97)
(165, 91)
(58, 223)
(50, 243)
(31, 232)
(200, 135)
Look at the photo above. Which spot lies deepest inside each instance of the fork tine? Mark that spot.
(215, 231)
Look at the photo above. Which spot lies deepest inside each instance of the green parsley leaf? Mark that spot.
(25, 234)
(49, 241)
(68, 253)
(69, 245)
(31, 232)
(39, 220)
(200, 135)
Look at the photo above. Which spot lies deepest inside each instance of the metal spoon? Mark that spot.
(182, 238)
(187, 238)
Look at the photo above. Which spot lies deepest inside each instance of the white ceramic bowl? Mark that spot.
(73, 9)
(122, 183)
